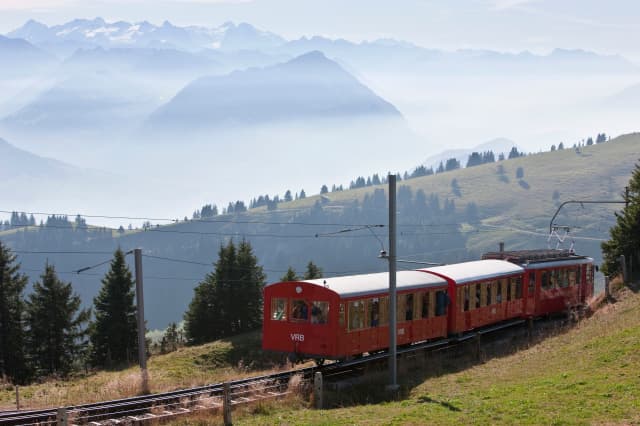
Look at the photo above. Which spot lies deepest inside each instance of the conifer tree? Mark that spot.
(114, 333)
(12, 328)
(290, 275)
(625, 234)
(201, 319)
(312, 272)
(56, 324)
(229, 300)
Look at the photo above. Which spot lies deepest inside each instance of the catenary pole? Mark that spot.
(142, 353)
(393, 338)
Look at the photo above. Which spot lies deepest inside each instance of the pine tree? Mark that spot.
(625, 235)
(171, 339)
(56, 325)
(229, 300)
(12, 328)
(312, 272)
(201, 319)
(114, 333)
(290, 275)
(248, 310)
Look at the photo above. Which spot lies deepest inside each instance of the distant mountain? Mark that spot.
(308, 87)
(628, 98)
(498, 146)
(98, 32)
(229, 37)
(93, 101)
(19, 57)
(16, 163)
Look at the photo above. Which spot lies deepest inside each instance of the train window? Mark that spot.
(554, 278)
(424, 303)
(546, 282)
(373, 310)
(492, 292)
(509, 292)
(589, 275)
(408, 307)
(563, 279)
(572, 277)
(442, 301)
(518, 287)
(279, 309)
(483, 295)
(299, 310)
(341, 315)
(466, 298)
(532, 284)
(356, 315)
(319, 312)
(499, 292)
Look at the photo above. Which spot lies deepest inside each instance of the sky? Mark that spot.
(507, 25)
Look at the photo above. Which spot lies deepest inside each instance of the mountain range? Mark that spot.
(229, 37)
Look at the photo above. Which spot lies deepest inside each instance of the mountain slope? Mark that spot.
(16, 163)
(19, 57)
(309, 87)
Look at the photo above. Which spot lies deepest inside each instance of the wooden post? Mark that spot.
(62, 417)
(17, 398)
(607, 290)
(226, 405)
(317, 390)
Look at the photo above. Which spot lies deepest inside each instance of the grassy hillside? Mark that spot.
(214, 362)
(588, 374)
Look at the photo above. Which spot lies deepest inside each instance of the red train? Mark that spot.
(342, 317)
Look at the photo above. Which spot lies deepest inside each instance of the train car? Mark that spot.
(342, 317)
(482, 292)
(556, 280)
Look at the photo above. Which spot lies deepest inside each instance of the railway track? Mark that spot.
(141, 409)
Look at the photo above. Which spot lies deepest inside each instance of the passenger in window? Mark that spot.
(303, 311)
(316, 314)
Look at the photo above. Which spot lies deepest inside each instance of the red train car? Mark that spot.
(556, 280)
(336, 318)
(342, 317)
(482, 292)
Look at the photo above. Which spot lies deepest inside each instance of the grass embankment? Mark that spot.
(588, 374)
(193, 366)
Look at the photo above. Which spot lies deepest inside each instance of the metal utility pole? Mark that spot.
(393, 338)
(142, 353)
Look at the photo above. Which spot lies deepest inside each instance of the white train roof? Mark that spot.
(476, 270)
(359, 285)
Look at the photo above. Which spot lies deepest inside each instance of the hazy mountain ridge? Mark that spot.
(230, 37)
(307, 87)
(498, 146)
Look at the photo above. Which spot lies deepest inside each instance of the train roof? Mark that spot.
(360, 285)
(522, 257)
(476, 270)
